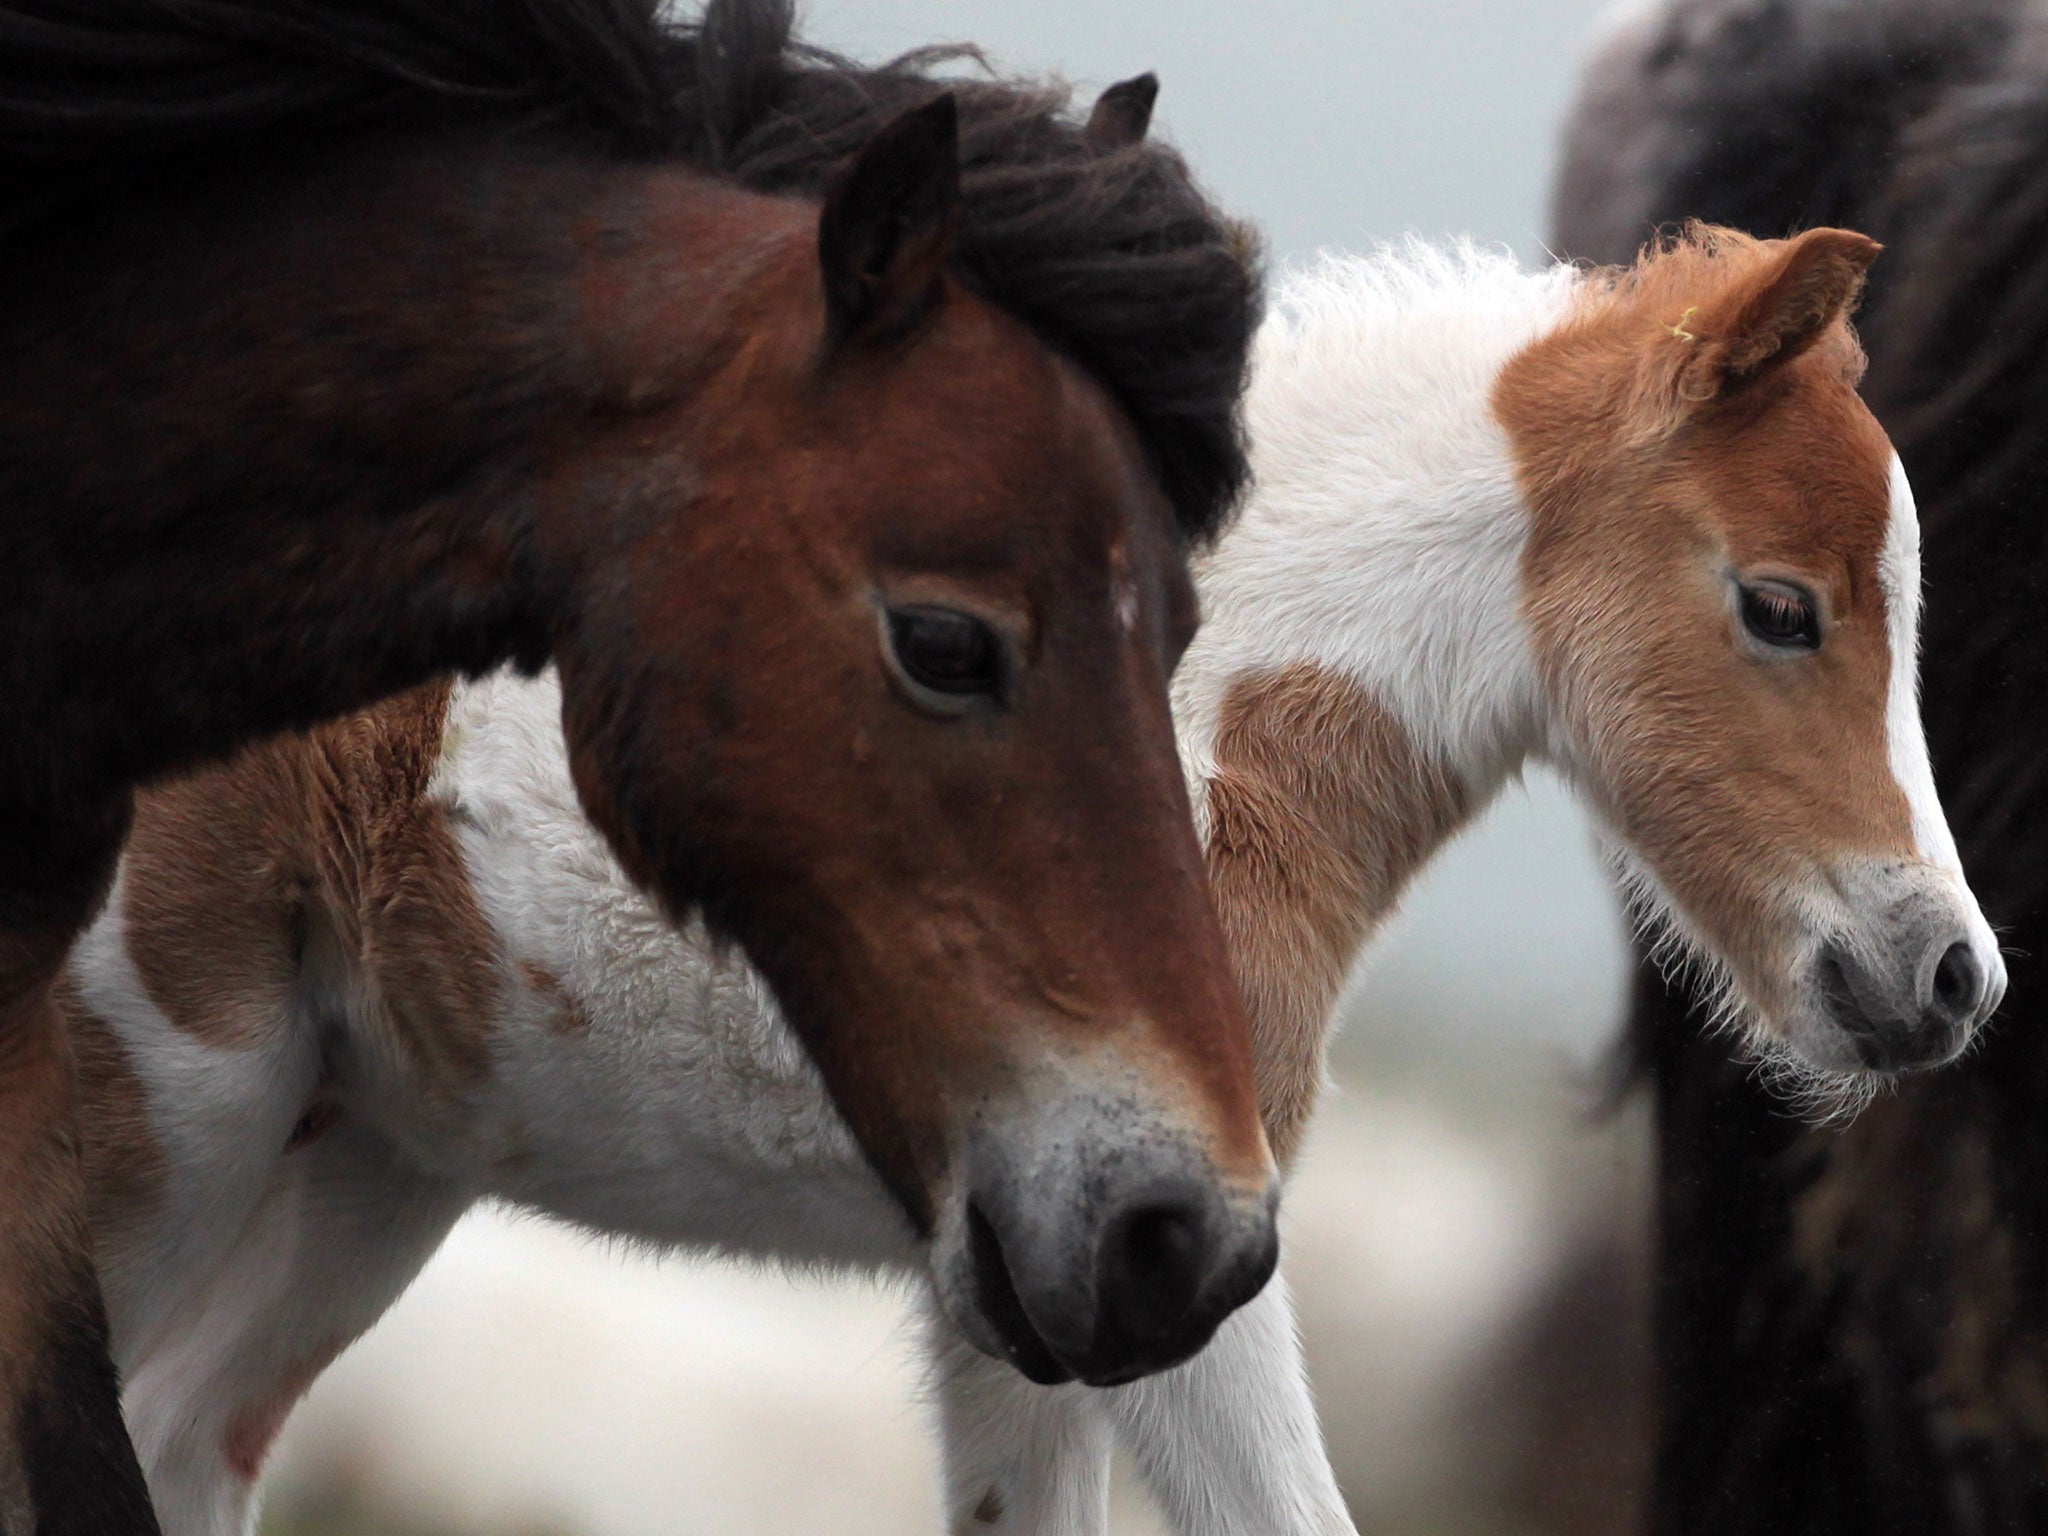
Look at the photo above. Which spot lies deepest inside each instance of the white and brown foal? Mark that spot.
(1631, 524)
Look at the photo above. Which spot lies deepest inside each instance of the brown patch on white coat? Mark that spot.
(566, 1016)
(227, 877)
(1320, 812)
(229, 872)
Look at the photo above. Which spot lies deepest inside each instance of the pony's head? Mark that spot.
(871, 666)
(1723, 590)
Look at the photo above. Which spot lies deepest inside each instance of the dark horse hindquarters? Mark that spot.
(257, 482)
(1853, 1322)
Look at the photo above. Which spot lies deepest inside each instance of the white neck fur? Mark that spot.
(1385, 532)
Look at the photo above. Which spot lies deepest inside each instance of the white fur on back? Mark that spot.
(1385, 532)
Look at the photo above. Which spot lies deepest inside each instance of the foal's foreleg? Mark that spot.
(1228, 1443)
(1020, 1459)
(66, 1465)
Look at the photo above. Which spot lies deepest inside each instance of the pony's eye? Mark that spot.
(946, 653)
(1781, 615)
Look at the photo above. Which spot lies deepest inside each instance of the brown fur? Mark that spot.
(124, 1165)
(230, 870)
(37, 1142)
(58, 1395)
(1320, 810)
(755, 776)
(1698, 415)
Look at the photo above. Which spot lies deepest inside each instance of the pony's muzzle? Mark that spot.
(1915, 998)
(1102, 1257)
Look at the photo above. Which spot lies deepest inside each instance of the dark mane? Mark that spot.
(1118, 258)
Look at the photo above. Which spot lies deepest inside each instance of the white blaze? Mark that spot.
(1899, 576)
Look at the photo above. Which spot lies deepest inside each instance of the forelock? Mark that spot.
(1116, 257)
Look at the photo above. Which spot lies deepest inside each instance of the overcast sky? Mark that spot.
(1331, 122)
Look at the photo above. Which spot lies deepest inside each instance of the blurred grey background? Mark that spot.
(1465, 1234)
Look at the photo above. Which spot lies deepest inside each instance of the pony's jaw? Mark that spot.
(1087, 1232)
(1858, 967)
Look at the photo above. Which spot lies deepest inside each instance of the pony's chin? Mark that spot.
(1813, 1043)
(1814, 1066)
(976, 1292)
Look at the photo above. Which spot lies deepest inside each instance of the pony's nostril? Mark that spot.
(1160, 1244)
(1898, 1020)
(1958, 983)
(1153, 1260)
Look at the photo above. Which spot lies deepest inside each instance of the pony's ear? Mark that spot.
(888, 222)
(1122, 113)
(1775, 313)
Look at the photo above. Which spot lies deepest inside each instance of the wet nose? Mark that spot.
(1955, 990)
(1122, 1282)
(1899, 1020)
(1170, 1265)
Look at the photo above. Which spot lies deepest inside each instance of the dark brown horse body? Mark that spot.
(1853, 1321)
(863, 596)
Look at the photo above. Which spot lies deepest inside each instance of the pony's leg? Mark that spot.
(1020, 1459)
(1229, 1443)
(66, 1465)
(342, 1229)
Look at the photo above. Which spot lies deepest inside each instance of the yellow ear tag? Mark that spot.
(1679, 329)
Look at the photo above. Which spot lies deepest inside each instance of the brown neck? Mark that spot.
(1320, 812)
(275, 451)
